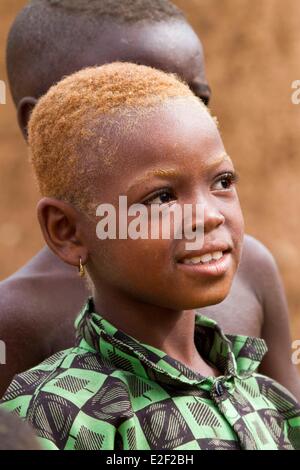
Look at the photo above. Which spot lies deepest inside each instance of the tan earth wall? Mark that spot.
(252, 56)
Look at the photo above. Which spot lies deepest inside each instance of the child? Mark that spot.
(147, 372)
(38, 304)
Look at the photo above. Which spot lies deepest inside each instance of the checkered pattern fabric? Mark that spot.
(111, 392)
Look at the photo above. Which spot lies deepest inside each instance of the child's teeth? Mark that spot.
(205, 258)
(195, 260)
(217, 255)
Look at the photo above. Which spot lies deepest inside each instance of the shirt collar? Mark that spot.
(234, 356)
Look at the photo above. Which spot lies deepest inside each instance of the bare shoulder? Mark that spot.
(258, 267)
(38, 306)
(24, 347)
(256, 252)
(16, 312)
(44, 285)
(42, 295)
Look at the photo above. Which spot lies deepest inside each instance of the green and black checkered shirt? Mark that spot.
(111, 392)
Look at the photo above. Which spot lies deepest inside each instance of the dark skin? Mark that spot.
(15, 434)
(137, 281)
(38, 304)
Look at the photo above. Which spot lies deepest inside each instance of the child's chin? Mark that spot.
(192, 304)
(205, 301)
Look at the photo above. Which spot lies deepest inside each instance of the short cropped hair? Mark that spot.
(47, 37)
(124, 10)
(63, 123)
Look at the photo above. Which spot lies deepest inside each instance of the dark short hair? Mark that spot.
(48, 34)
(123, 10)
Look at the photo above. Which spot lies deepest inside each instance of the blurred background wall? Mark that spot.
(252, 57)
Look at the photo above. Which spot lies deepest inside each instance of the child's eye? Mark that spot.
(161, 197)
(225, 181)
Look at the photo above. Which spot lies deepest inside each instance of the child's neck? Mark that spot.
(167, 330)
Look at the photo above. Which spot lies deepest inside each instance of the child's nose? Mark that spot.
(208, 217)
(213, 218)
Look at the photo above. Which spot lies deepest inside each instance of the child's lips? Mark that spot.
(213, 249)
(216, 263)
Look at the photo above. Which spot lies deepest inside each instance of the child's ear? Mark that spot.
(24, 110)
(60, 224)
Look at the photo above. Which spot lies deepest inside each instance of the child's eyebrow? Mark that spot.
(159, 172)
(217, 162)
(174, 173)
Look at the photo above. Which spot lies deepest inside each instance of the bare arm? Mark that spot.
(23, 347)
(38, 306)
(267, 282)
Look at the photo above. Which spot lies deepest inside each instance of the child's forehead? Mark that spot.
(171, 132)
(173, 143)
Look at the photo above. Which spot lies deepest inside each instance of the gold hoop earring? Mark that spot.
(81, 269)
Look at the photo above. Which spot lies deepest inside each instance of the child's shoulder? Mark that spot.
(276, 392)
(27, 385)
(34, 322)
(258, 267)
(255, 252)
(66, 378)
(70, 388)
(275, 400)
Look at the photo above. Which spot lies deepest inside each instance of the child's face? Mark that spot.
(173, 154)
